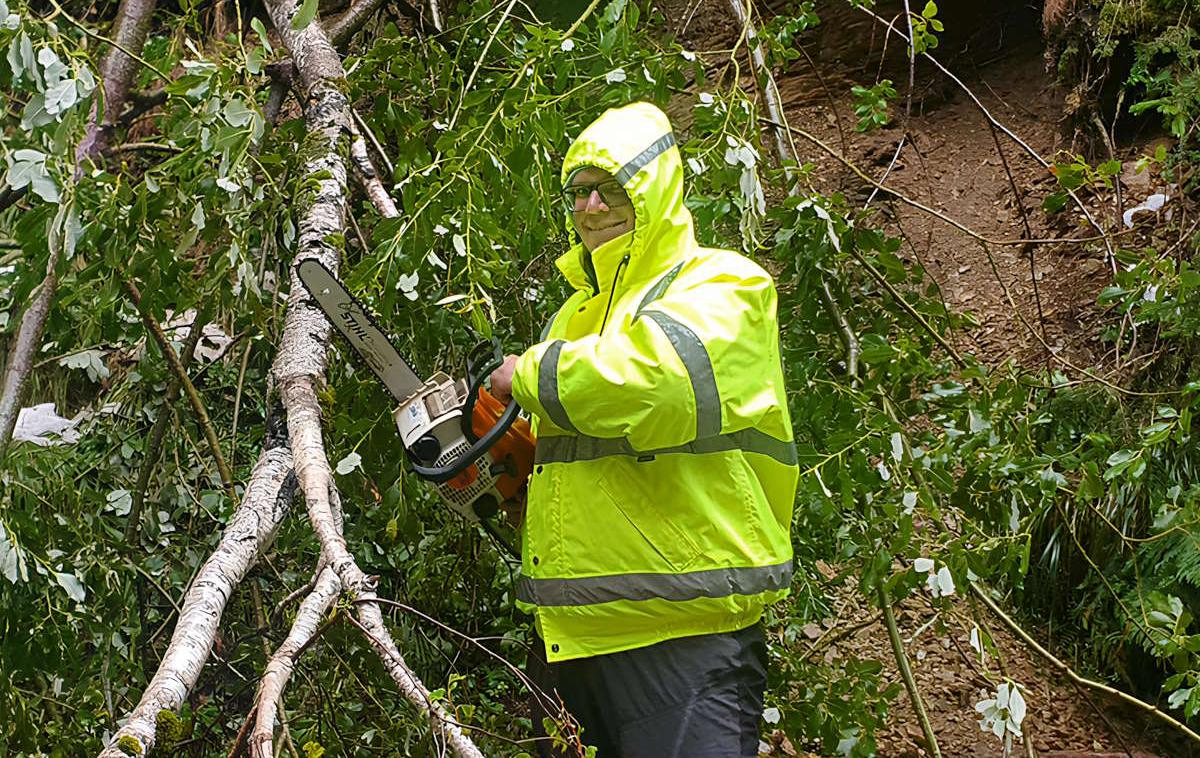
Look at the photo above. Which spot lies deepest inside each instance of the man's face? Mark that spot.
(600, 208)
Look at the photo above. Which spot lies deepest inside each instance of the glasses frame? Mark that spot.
(572, 198)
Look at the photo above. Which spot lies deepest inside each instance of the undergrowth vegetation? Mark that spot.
(1069, 491)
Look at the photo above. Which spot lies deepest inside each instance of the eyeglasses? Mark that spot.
(611, 193)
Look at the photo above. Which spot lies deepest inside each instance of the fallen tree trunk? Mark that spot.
(266, 502)
(300, 364)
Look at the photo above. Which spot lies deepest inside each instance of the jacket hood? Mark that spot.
(635, 144)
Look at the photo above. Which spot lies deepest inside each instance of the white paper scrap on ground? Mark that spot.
(1153, 204)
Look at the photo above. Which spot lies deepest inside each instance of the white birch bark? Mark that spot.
(250, 530)
(300, 363)
(283, 662)
(365, 171)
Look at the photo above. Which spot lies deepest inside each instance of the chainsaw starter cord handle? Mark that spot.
(440, 474)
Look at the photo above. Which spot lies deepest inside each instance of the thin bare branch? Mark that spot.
(189, 389)
(157, 432)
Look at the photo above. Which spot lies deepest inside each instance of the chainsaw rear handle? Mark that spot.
(441, 474)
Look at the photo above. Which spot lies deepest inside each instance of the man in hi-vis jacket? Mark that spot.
(656, 525)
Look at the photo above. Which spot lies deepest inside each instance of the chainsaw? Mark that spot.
(476, 451)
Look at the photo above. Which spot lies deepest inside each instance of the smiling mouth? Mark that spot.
(613, 225)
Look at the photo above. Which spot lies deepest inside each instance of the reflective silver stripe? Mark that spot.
(714, 583)
(569, 448)
(548, 387)
(659, 287)
(700, 371)
(659, 146)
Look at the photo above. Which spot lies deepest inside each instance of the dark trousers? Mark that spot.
(693, 697)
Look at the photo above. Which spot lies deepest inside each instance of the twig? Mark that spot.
(1070, 673)
(786, 152)
(910, 682)
(1028, 250)
(478, 62)
(912, 68)
(131, 147)
(1046, 345)
(436, 15)
(237, 404)
(365, 172)
(154, 444)
(922, 207)
(366, 130)
(907, 307)
(189, 389)
(1104, 236)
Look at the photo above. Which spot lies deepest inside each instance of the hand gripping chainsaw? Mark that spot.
(476, 452)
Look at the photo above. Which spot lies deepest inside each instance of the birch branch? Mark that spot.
(365, 172)
(300, 363)
(116, 72)
(25, 347)
(267, 501)
(279, 668)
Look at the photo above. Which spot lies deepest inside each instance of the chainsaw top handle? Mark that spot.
(440, 474)
(490, 354)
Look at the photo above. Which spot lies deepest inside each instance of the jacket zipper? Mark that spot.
(612, 291)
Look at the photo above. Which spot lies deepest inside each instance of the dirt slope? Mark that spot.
(950, 163)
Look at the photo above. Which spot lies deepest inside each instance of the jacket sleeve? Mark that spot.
(683, 368)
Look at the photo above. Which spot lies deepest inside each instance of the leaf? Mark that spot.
(945, 581)
(305, 15)
(119, 502)
(257, 25)
(1054, 202)
(236, 113)
(349, 463)
(72, 585)
(1016, 706)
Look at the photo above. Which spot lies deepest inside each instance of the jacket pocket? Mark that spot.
(648, 507)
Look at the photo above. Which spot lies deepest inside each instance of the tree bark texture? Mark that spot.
(265, 504)
(24, 349)
(279, 668)
(117, 71)
(300, 363)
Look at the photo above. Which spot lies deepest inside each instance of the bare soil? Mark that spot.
(1030, 301)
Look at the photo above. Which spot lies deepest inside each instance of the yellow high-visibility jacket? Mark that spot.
(665, 474)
